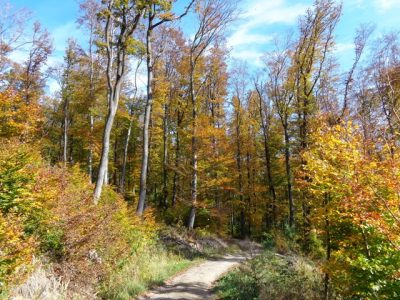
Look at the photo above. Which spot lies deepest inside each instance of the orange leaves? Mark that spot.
(362, 213)
(363, 187)
(18, 118)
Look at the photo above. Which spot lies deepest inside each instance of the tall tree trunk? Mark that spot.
(192, 215)
(71, 150)
(103, 168)
(90, 158)
(239, 168)
(267, 154)
(147, 116)
(165, 156)
(250, 192)
(328, 246)
(91, 95)
(115, 79)
(65, 131)
(303, 131)
(288, 174)
(175, 188)
(115, 177)
(125, 158)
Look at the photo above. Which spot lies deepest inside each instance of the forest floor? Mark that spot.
(197, 282)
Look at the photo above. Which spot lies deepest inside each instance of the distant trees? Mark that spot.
(213, 17)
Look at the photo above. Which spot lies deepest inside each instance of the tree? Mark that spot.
(281, 91)
(309, 60)
(265, 112)
(67, 89)
(32, 79)
(89, 19)
(156, 9)
(355, 208)
(239, 84)
(213, 17)
(12, 31)
(360, 41)
(119, 21)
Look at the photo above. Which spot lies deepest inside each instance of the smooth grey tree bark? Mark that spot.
(117, 34)
(152, 14)
(65, 130)
(239, 165)
(91, 95)
(129, 131)
(165, 155)
(192, 215)
(147, 116)
(176, 179)
(125, 158)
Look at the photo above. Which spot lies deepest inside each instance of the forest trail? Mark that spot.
(197, 281)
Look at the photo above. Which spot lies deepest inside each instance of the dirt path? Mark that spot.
(197, 282)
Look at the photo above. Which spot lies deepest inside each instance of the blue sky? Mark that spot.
(261, 21)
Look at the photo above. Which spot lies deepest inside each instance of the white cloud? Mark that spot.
(270, 12)
(244, 37)
(19, 55)
(251, 56)
(384, 5)
(250, 33)
(53, 86)
(343, 47)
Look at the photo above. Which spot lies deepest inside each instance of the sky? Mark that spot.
(260, 23)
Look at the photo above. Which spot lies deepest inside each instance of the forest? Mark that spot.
(157, 140)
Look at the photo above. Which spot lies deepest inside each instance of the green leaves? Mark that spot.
(15, 183)
(135, 47)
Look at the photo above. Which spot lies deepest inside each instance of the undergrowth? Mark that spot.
(47, 212)
(141, 272)
(273, 276)
(280, 272)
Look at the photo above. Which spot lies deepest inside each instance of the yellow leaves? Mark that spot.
(167, 16)
(18, 118)
(16, 249)
(363, 189)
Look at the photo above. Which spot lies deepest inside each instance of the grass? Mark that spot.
(142, 272)
(272, 276)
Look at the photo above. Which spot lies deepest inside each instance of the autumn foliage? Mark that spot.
(355, 208)
(299, 154)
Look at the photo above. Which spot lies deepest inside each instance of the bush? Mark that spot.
(23, 213)
(268, 241)
(273, 276)
(16, 250)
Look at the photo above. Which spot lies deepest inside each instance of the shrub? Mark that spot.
(16, 250)
(268, 241)
(23, 213)
(273, 276)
